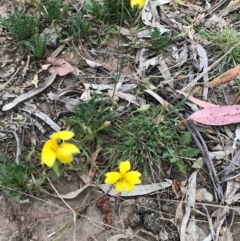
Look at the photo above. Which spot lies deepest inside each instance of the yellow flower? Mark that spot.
(124, 179)
(140, 3)
(56, 148)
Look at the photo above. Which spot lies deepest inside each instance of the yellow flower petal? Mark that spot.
(70, 147)
(63, 135)
(112, 177)
(48, 156)
(124, 185)
(65, 152)
(124, 166)
(128, 187)
(140, 3)
(133, 177)
(119, 187)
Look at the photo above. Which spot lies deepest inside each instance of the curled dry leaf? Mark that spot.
(60, 66)
(150, 15)
(35, 80)
(93, 64)
(217, 116)
(225, 77)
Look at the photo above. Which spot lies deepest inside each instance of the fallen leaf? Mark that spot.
(190, 202)
(237, 137)
(92, 170)
(44, 67)
(192, 230)
(190, 5)
(125, 32)
(136, 100)
(215, 19)
(30, 93)
(198, 102)
(92, 64)
(233, 199)
(175, 187)
(59, 66)
(180, 55)
(202, 195)
(150, 16)
(179, 216)
(217, 116)
(232, 6)
(41, 116)
(225, 77)
(138, 190)
(86, 95)
(225, 234)
(35, 80)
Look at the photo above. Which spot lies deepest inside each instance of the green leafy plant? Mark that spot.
(49, 10)
(78, 26)
(224, 41)
(37, 46)
(20, 25)
(111, 10)
(13, 177)
(142, 139)
(88, 121)
(158, 41)
(143, 136)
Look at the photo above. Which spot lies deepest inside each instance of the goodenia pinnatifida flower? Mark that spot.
(139, 3)
(124, 180)
(57, 149)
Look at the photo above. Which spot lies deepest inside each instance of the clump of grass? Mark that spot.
(224, 41)
(88, 121)
(20, 25)
(36, 45)
(49, 10)
(114, 11)
(13, 177)
(23, 29)
(78, 27)
(145, 139)
(158, 41)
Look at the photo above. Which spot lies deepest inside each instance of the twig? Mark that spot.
(60, 196)
(18, 151)
(204, 151)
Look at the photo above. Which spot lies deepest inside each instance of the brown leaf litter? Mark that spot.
(225, 77)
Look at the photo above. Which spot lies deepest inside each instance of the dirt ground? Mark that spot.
(49, 219)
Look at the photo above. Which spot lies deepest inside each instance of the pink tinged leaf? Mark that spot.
(60, 66)
(217, 116)
(198, 102)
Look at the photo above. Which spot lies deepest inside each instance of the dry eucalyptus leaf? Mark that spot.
(92, 64)
(138, 189)
(35, 80)
(198, 102)
(190, 202)
(60, 66)
(225, 77)
(218, 116)
(150, 16)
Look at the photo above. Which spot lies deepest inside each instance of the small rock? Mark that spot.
(51, 36)
(152, 222)
(134, 220)
(145, 205)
